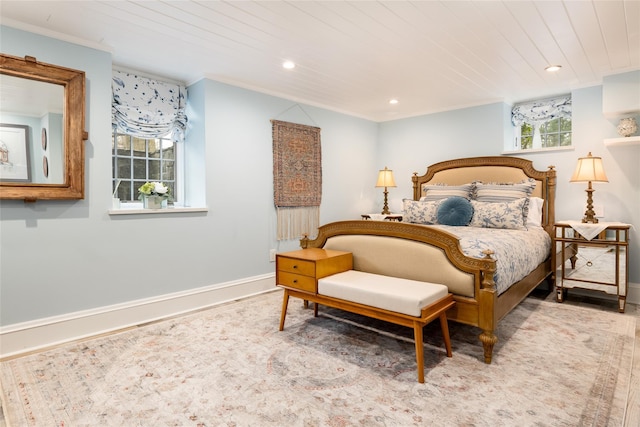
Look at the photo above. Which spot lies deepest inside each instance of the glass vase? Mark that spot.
(152, 202)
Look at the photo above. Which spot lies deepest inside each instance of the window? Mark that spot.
(149, 122)
(543, 123)
(552, 133)
(138, 160)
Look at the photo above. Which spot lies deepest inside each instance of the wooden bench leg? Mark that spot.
(285, 303)
(444, 325)
(417, 337)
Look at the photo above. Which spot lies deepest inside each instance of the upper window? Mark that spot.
(542, 124)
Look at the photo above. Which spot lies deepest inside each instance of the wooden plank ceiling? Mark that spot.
(353, 57)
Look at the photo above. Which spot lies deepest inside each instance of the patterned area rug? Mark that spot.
(555, 365)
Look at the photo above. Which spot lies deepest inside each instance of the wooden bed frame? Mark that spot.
(484, 308)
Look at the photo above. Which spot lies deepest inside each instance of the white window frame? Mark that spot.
(178, 182)
(538, 136)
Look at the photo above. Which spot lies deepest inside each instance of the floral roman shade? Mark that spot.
(147, 108)
(540, 111)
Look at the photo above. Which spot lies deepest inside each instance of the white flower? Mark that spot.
(153, 189)
(159, 188)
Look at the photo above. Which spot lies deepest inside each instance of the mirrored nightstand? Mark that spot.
(601, 256)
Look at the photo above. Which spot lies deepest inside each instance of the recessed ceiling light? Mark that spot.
(553, 68)
(289, 65)
(393, 101)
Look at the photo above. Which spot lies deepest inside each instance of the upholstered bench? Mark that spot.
(404, 302)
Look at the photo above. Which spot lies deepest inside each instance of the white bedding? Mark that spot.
(517, 252)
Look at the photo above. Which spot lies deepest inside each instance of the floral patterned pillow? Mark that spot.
(420, 212)
(511, 214)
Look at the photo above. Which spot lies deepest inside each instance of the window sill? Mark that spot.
(136, 209)
(537, 150)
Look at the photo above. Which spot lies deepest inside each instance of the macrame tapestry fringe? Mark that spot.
(293, 223)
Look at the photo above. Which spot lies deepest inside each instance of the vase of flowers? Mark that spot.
(153, 195)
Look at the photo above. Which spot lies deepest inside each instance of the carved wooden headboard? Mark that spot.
(493, 169)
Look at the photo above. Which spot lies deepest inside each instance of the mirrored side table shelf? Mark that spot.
(601, 262)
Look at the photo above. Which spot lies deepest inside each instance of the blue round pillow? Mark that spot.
(455, 211)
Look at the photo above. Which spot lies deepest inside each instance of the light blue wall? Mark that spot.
(410, 145)
(59, 257)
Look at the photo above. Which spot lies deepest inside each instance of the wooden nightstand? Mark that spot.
(298, 273)
(601, 263)
(301, 269)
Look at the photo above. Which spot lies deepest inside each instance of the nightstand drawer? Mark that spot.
(292, 265)
(298, 281)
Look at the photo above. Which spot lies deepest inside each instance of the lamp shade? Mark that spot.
(589, 169)
(385, 178)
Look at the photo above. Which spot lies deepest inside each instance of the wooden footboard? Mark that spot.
(425, 254)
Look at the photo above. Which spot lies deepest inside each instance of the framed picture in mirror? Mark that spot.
(14, 153)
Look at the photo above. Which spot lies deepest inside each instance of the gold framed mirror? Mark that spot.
(41, 130)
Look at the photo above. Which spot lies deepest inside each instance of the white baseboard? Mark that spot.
(43, 333)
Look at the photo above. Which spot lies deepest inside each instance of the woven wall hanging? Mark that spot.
(297, 179)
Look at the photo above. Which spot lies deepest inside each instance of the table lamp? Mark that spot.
(589, 169)
(385, 179)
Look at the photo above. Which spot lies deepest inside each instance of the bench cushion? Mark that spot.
(389, 293)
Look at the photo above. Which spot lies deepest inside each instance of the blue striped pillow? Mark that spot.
(432, 192)
(493, 192)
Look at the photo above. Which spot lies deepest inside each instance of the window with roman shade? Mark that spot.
(543, 123)
(149, 122)
(147, 108)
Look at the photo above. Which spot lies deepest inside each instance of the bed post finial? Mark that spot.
(416, 190)
(304, 242)
(550, 217)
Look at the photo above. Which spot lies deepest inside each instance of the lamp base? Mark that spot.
(590, 214)
(589, 220)
(385, 208)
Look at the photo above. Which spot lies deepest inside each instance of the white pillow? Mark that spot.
(534, 216)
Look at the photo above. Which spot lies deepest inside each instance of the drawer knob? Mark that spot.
(295, 281)
(295, 266)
